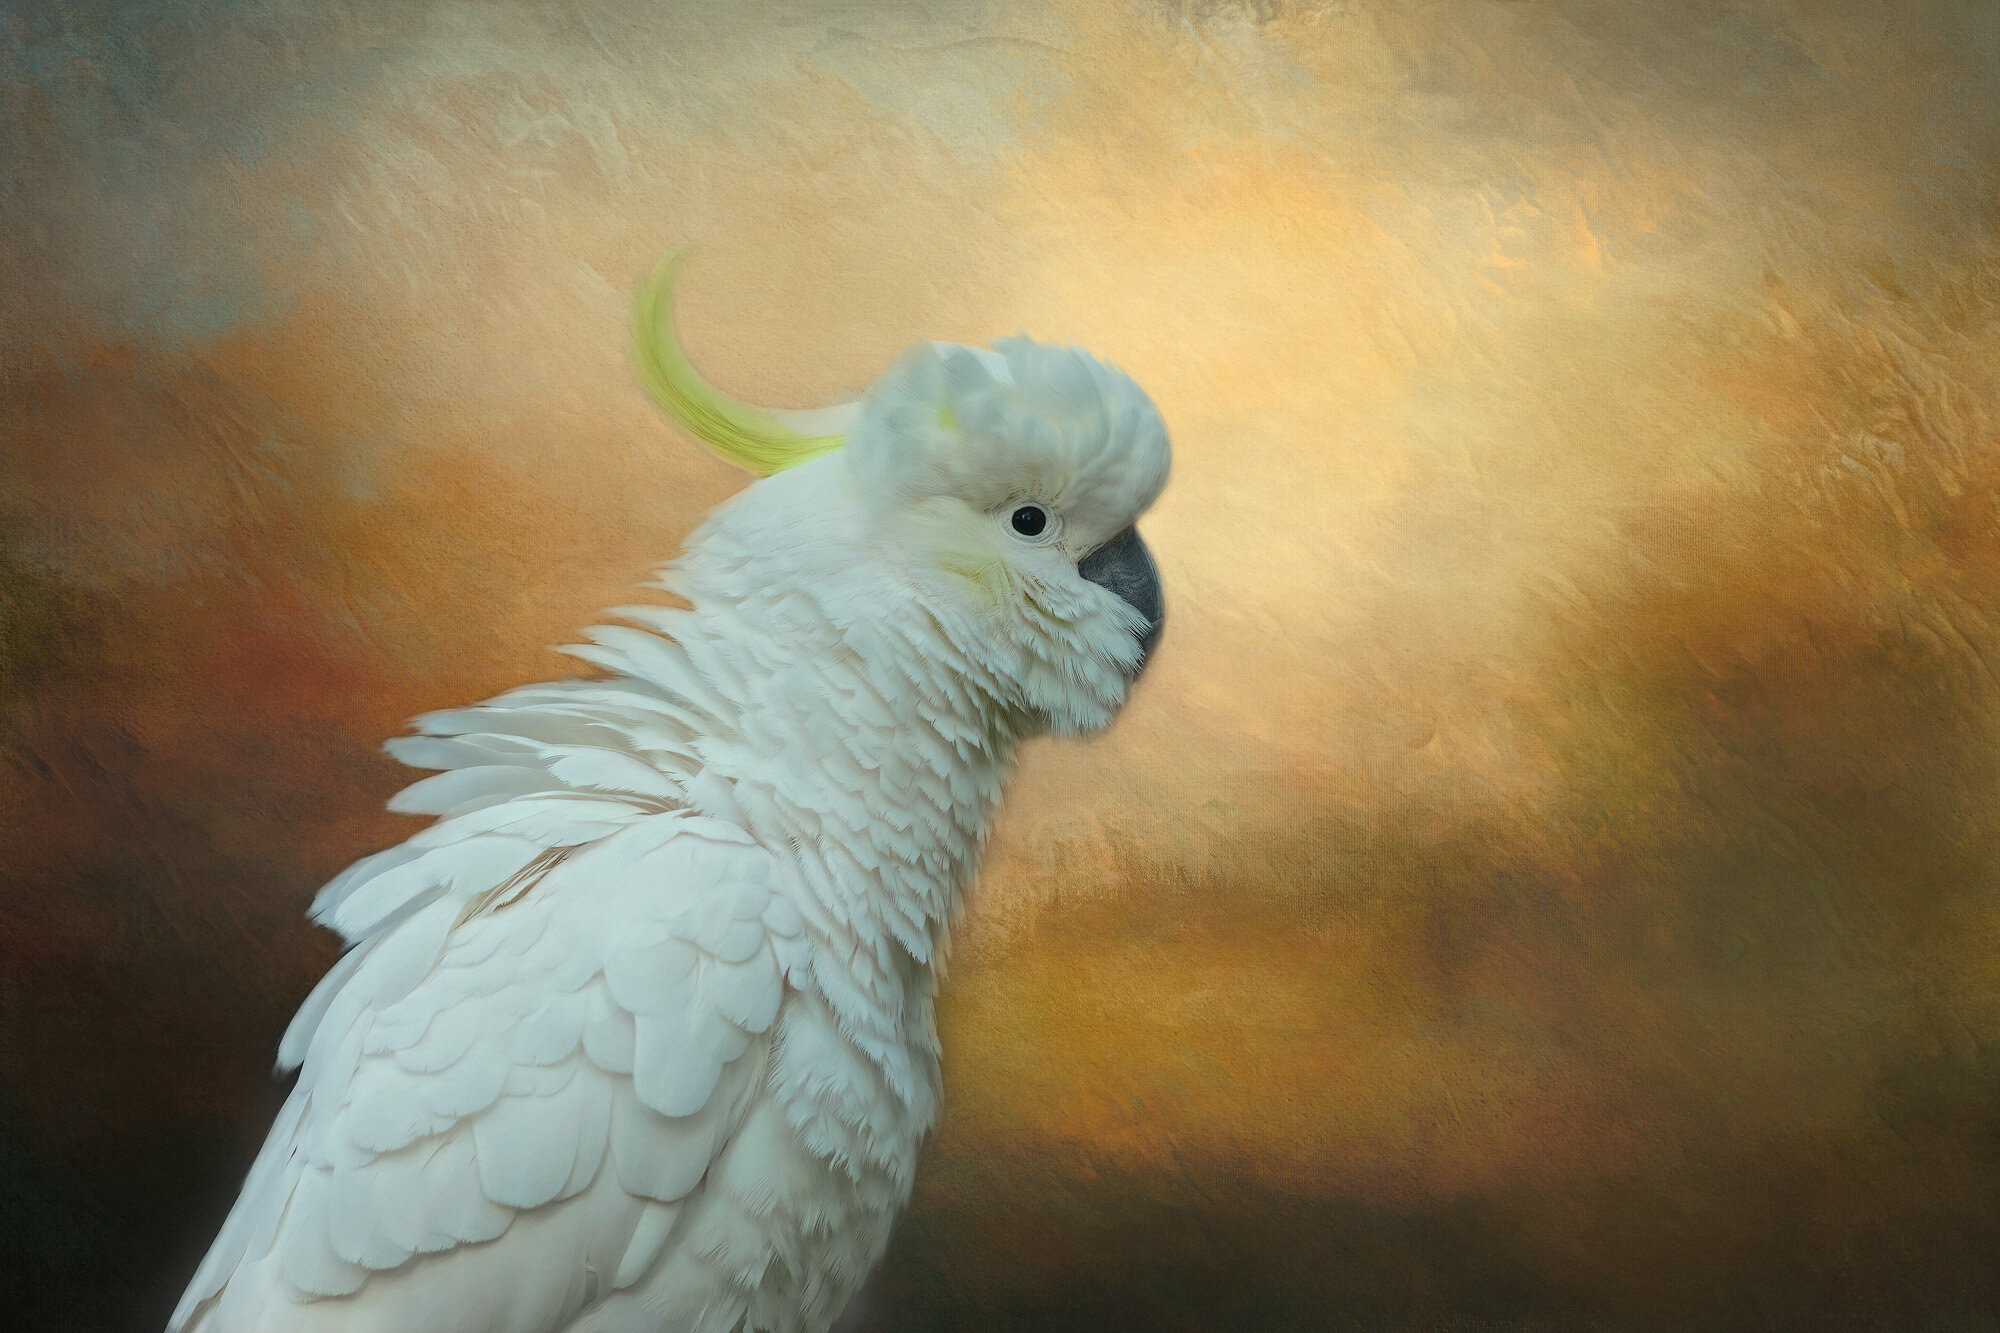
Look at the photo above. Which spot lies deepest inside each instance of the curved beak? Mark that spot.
(1124, 566)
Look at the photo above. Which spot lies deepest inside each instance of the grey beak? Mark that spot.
(1123, 565)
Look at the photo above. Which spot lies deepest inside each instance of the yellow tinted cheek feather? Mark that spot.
(960, 542)
(991, 578)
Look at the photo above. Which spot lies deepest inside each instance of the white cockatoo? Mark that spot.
(639, 1034)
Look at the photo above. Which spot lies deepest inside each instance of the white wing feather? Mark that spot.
(563, 988)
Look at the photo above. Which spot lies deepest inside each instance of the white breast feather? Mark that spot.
(566, 984)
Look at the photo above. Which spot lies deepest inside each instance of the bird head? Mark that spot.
(992, 492)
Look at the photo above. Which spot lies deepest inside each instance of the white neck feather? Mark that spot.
(874, 753)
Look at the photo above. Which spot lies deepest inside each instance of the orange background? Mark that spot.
(1546, 877)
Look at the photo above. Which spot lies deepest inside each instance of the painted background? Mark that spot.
(1547, 878)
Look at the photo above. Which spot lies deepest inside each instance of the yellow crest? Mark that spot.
(750, 437)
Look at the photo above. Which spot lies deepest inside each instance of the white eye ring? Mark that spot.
(1031, 522)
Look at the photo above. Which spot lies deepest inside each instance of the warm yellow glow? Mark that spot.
(1566, 782)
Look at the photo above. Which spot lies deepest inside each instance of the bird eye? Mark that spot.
(1030, 520)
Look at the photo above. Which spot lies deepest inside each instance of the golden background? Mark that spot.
(1545, 880)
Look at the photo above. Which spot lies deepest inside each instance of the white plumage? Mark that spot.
(638, 1035)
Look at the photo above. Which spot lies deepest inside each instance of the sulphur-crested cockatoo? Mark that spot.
(639, 1034)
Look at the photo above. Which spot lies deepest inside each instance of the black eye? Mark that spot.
(1030, 520)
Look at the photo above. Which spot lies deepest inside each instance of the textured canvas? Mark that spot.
(1546, 877)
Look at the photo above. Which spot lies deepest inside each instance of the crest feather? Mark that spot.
(750, 437)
